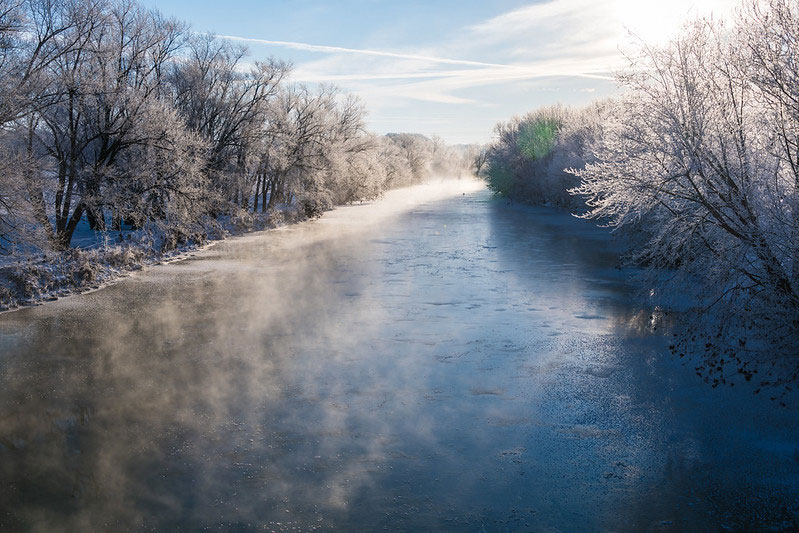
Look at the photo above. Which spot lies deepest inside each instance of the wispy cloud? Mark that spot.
(433, 85)
(547, 16)
(594, 26)
(466, 78)
(504, 62)
(341, 50)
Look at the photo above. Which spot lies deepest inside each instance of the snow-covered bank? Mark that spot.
(53, 275)
(48, 277)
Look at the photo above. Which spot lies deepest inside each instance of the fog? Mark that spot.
(437, 359)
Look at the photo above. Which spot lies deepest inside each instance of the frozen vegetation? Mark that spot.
(697, 165)
(121, 126)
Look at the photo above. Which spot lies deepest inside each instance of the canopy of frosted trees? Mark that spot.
(699, 159)
(112, 114)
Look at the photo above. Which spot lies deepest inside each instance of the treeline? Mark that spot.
(114, 114)
(531, 158)
(700, 159)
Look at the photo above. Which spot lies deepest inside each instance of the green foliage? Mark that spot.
(537, 138)
(500, 178)
(528, 159)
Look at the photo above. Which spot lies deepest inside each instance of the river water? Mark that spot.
(436, 360)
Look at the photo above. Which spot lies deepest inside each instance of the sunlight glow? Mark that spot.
(657, 22)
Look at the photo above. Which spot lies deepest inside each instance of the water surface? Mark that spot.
(451, 364)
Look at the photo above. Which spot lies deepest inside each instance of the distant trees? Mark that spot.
(478, 156)
(113, 114)
(424, 156)
(531, 154)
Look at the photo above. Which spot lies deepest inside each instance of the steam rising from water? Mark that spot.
(434, 360)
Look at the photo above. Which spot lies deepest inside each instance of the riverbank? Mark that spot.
(50, 276)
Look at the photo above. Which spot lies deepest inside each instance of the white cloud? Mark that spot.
(577, 39)
(583, 26)
(341, 50)
(412, 77)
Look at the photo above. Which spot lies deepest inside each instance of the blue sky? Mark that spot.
(445, 67)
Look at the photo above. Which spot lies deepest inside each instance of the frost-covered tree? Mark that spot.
(228, 106)
(394, 163)
(416, 150)
(478, 157)
(108, 100)
(33, 34)
(699, 153)
(301, 122)
(13, 24)
(530, 157)
(113, 114)
(315, 150)
(770, 41)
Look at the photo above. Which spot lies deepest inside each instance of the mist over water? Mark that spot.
(438, 359)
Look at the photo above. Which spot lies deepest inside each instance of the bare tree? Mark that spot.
(33, 35)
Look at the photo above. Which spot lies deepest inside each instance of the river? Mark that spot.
(437, 360)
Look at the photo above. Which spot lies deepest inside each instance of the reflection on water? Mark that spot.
(457, 364)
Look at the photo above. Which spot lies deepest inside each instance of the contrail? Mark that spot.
(339, 49)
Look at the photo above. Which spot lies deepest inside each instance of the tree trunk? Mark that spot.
(33, 185)
(64, 237)
(264, 191)
(96, 218)
(257, 192)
